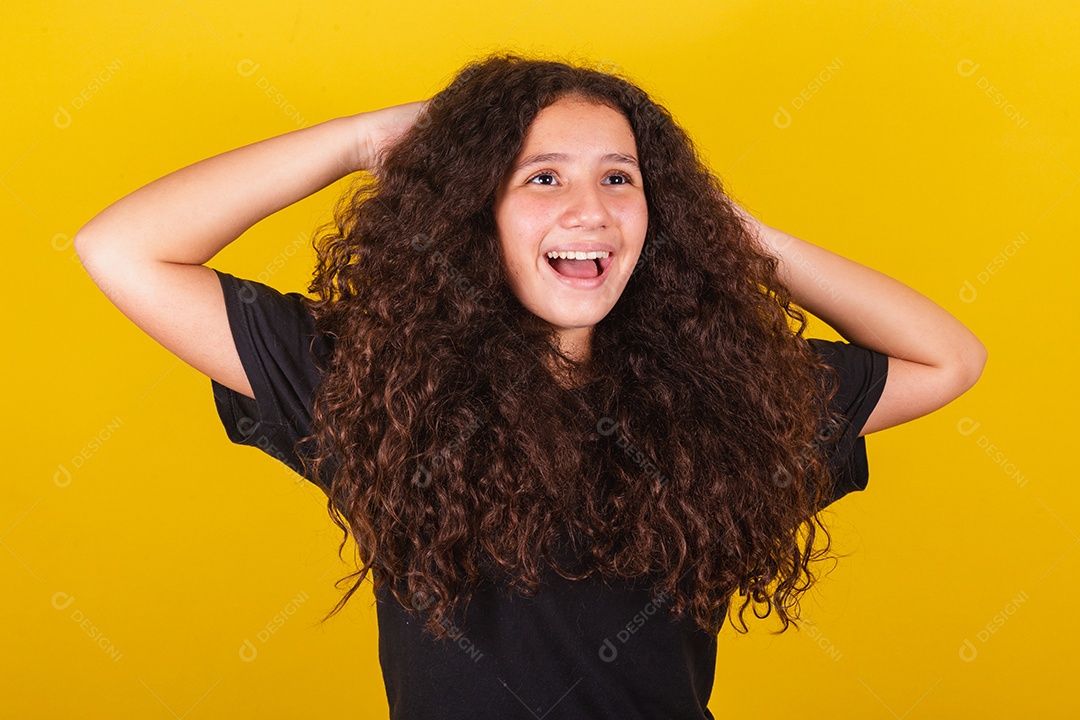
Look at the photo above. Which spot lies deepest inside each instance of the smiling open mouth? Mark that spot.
(574, 268)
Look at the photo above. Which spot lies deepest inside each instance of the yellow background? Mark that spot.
(923, 139)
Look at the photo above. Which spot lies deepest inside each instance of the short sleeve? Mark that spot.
(282, 354)
(863, 373)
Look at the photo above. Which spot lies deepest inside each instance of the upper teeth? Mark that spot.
(578, 255)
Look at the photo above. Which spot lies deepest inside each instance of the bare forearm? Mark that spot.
(191, 214)
(869, 308)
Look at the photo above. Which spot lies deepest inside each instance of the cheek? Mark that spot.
(521, 231)
(638, 213)
(517, 256)
(635, 221)
(516, 266)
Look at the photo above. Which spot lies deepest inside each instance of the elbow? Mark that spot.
(81, 244)
(91, 236)
(89, 246)
(969, 363)
(976, 360)
(95, 256)
(78, 243)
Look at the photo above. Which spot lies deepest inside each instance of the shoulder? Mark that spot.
(862, 374)
(283, 323)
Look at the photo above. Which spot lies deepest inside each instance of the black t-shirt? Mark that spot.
(581, 649)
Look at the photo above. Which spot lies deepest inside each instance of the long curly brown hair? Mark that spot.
(459, 458)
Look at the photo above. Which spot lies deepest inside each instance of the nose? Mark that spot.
(586, 207)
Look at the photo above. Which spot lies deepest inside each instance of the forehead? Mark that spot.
(575, 121)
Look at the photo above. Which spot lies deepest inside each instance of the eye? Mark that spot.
(626, 179)
(542, 173)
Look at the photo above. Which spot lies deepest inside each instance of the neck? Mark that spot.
(575, 343)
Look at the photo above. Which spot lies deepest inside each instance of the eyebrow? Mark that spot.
(562, 157)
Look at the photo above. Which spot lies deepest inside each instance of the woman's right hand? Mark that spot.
(379, 130)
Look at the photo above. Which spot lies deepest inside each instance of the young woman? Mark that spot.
(548, 381)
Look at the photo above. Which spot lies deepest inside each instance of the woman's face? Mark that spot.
(575, 187)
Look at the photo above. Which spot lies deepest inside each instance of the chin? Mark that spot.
(575, 321)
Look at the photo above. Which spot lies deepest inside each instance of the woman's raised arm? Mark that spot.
(933, 357)
(147, 250)
(190, 215)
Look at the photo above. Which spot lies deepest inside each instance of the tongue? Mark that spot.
(575, 268)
